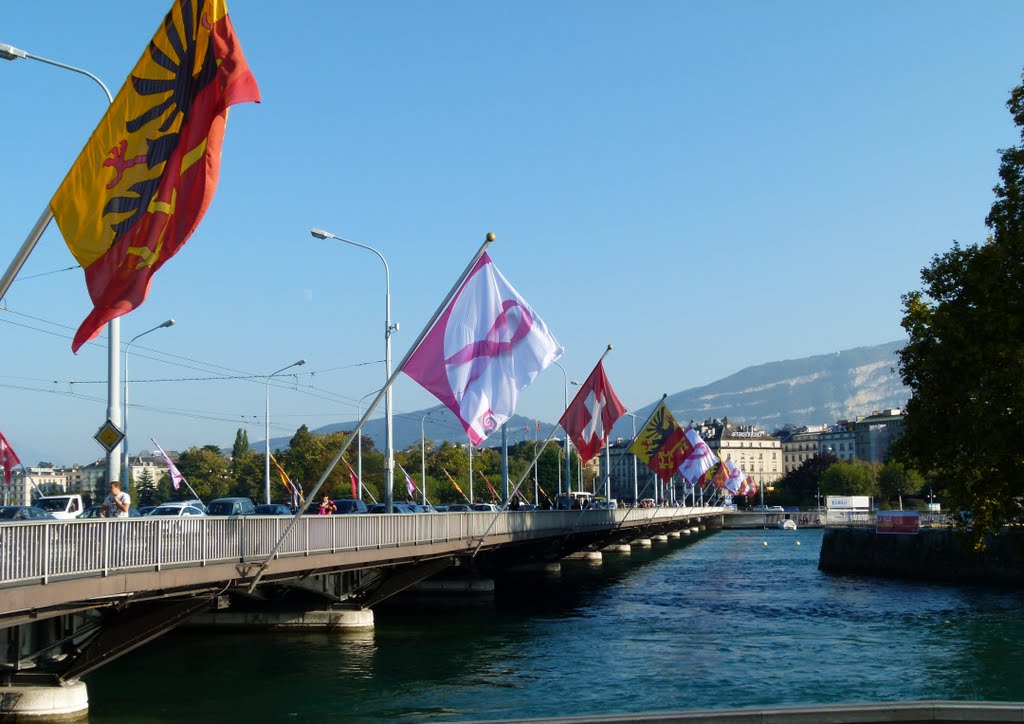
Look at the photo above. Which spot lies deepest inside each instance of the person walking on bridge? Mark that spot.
(117, 503)
(327, 506)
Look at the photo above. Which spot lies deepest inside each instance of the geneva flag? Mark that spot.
(142, 183)
(699, 461)
(591, 414)
(486, 347)
(8, 459)
(662, 444)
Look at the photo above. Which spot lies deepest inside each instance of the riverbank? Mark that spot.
(938, 554)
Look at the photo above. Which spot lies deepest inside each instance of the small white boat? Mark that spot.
(787, 524)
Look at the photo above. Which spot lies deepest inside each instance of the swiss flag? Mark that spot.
(7, 458)
(591, 414)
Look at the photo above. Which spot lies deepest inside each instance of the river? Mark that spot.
(729, 619)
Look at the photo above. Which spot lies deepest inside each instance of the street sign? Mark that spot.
(109, 436)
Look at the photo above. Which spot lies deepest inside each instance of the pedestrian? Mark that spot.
(327, 506)
(117, 503)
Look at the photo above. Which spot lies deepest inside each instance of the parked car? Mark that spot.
(175, 510)
(273, 509)
(61, 507)
(399, 508)
(440, 508)
(231, 506)
(93, 511)
(147, 509)
(14, 513)
(485, 507)
(460, 508)
(348, 506)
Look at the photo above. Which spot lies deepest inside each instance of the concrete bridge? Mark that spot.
(75, 595)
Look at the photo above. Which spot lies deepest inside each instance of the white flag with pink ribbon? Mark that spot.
(699, 461)
(735, 479)
(487, 346)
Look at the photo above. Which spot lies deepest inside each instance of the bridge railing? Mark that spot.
(45, 551)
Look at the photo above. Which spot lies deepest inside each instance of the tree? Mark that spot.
(896, 480)
(206, 470)
(849, 478)
(963, 362)
(800, 485)
(240, 451)
(148, 493)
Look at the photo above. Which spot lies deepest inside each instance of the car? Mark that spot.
(273, 509)
(15, 513)
(759, 509)
(459, 508)
(776, 509)
(93, 511)
(398, 508)
(349, 506)
(440, 508)
(147, 509)
(485, 508)
(175, 510)
(62, 507)
(231, 507)
(525, 507)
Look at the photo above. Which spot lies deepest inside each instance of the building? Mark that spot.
(30, 482)
(755, 451)
(798, 445)
(154, 463)
(839, 440)
(875, 434)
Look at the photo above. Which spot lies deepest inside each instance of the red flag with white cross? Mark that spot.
(589, 418)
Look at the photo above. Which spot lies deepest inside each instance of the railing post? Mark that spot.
(46, 553)
(159, 550)
(106, 548)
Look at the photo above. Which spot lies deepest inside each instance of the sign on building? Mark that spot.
(848, 502)
(899, 522)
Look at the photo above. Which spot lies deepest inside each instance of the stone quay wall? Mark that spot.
(937, 554)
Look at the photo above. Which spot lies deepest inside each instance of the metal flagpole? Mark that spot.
(373, 405)
(471, 446)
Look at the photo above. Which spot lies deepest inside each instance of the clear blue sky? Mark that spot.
(705, 185)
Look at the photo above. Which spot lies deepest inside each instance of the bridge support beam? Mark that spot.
(617, 548)
(68, 701)
(660, 538)
(641, 543)
(585, 556)
(332, 619)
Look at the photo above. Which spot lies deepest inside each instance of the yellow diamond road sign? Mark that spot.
(109, 435)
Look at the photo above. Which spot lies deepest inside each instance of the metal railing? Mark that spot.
(40, 552)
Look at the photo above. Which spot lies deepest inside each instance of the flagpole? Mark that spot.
(488, 240)
(536, 457)
(172, 478)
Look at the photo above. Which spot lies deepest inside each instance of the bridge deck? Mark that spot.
(54, 563)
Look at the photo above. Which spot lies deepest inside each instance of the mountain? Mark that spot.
(813, 390)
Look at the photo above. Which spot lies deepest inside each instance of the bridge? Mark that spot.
(77, 594)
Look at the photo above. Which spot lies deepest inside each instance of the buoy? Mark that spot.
(798, 542)
(765, 542)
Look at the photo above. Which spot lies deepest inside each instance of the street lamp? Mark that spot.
(359, 441)
(389, 453)
(565, 395)
(9, 52)
(423, 455)
(124, 400)
(266, 430)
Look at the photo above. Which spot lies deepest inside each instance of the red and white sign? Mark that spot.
(897, 522)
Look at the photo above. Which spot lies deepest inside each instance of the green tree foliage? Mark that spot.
(964, 363)
(307, 458)
(206, 470)
(240, 451)
(800, 485)
(895, 480)
(148, 493)
(849, 478)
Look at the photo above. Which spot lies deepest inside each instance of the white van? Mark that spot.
(62, 507)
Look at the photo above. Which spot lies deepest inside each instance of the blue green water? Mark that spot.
(723, 621)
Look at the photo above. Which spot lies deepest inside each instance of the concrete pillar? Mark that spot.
(685, 532)
(674, 535)
(617, 548)
(335, 619)
(696, 529)
(642, 543)
(545, 568)
(660, 538)
(585, 556)
(66, 702)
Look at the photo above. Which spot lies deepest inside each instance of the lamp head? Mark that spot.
(299, 363)
(9, 52)
(321, 234)
(168, 323)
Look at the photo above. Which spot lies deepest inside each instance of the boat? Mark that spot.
(787, 524)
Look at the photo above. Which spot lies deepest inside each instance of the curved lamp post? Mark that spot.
(266, 430)
(389, 452)
(125, 478)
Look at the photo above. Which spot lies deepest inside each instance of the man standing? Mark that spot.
(116, 504)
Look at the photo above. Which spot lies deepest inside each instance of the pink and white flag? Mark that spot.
(487, 347)
(699, 461)
(176, 477)
(410, 486)
(735, 479)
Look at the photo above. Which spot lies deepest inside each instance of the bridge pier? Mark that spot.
(585, 556)
(641, 543)
(331, 618)
(660, 538)
(68, 701)
(547, 568)
(617, 548)
(675, 535)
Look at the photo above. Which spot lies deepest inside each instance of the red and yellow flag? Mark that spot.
(142, 183)
(662, 444)
(455, 485)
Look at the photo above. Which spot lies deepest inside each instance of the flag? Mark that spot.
(353, 480)
(294, 490)
(752, 485)
(661, 444)
(7, 458)
(143, 181)
(487, 346)
(454, 484)
(735, 477)
(176, 477)
(410, 486)
(589, 417)
(720, 475)
(494, 493)
(700, 459)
